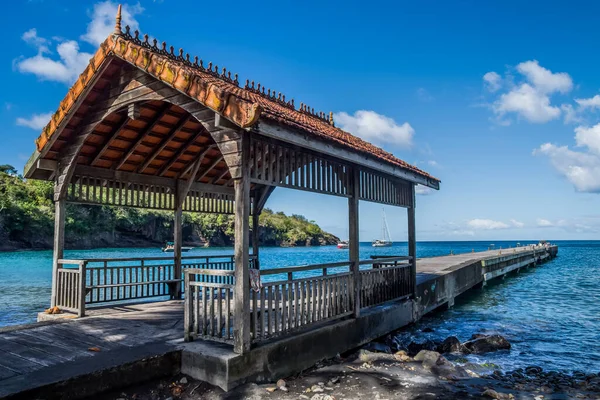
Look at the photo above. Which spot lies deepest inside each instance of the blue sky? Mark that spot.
(497, 99)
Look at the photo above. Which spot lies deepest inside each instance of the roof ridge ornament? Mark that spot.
(118, 30)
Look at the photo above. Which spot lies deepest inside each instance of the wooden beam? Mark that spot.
(210, 167)
(255, 231)
(263, 197)
(219, 177)
(184, 147)
(124, 176)
(116, 133)
(163, 143)
(353, 237)
(412, 240)
(276, 131)
(59, 245)
(149, 128)
(241, 294)
(47, 165)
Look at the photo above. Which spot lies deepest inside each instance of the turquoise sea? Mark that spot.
(550, 314)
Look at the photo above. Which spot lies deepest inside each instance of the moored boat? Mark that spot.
(343, 244)
(170, 248)
(386, 240)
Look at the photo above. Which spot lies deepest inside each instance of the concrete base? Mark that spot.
(42, 316)
(218, 365)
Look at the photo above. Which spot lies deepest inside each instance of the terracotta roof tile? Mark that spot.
(218, 91)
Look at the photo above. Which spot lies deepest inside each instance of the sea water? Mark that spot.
(550, 314)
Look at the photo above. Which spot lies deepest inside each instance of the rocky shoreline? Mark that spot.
(382, 370)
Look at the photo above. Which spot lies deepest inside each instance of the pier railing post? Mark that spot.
(177, 239)
(82, 288)
(353, 238)
(59, 243)
(241, 310)
(412, 241)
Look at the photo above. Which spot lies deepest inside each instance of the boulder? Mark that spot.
(450, 345)
(497, 395)
(427, 357)
(414, 347)
(486, 344)
(377, 347)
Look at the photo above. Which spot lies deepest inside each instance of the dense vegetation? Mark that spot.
(27, 221)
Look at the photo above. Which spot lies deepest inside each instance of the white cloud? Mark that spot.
(545, 80)
(544, 223)
(376, 128)
(486, 224)
(527, 102)
(492, 81)
(571, 114)
(33, 39)
(592, 102)
(36, 121)
(103, 20)
(582, 169)
(530, 98)
(432, 163)
(70, 63)
(516, 224)
(423, 190)
(588, 137)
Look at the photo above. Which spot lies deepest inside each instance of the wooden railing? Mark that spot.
(321, 293)
(385, 279)
(70, 286)
(102, 281)
(208, 304)
(292, 299)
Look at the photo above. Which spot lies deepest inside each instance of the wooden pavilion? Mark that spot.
(147, 126)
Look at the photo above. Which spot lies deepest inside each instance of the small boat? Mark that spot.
(385, 233)
(170, 248)
(343, 244)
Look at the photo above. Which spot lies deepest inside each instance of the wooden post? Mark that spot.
(82, 288)
(177, 239)
(189, 308)
(255, 220)
(59, 244)
(412, 240)
(241, 310)
(353, 238)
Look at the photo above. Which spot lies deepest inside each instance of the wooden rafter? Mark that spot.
(184, 147)
(187, 168)
(143, 135)
(112, 135)
(210, 167)
(164, 142)
(219, 177)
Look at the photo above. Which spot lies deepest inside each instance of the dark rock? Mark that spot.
(450, 345)
(477, 336)
(414, 348)
(427, 329)
(377, 347)
(486, 344)
(533, 370)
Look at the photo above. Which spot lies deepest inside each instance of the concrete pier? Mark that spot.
(122, 345)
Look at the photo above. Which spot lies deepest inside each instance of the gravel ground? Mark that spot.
(363, 375)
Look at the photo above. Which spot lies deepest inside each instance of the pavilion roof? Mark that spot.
(218, 90)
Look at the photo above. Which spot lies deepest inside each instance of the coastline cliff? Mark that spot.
(27, 221)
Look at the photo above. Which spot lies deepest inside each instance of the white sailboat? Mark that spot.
(386, 240)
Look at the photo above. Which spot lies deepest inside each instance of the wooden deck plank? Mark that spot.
(28, 352)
